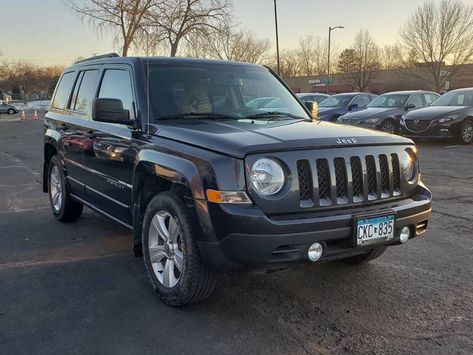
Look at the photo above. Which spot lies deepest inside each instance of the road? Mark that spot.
(76, 288)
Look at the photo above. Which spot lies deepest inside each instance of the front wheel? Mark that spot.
(374, 253)
(465, 134)
(11, 111)
(64, 208)
(171, 255)
(388, 126)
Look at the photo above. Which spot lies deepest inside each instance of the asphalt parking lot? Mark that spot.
(76, 288)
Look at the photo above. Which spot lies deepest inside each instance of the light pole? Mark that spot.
(330, 29)
(277, 35)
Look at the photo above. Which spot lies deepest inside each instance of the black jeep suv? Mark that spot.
(170, 149)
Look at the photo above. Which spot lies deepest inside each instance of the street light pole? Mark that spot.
(330, 29)
(277, 35)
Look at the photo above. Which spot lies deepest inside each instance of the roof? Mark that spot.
(113, 59)
(462, 89)
(408, 92)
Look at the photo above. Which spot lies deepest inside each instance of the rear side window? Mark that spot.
(62, 91)
(116, 84)
(84, 91)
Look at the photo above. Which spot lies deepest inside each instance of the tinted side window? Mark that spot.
(361, 100)
(116, 84)
(416, 100)
(62, 91)
(85, 94)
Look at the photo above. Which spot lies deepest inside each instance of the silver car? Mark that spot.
(6, 108)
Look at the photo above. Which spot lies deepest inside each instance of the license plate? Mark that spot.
(371, 230)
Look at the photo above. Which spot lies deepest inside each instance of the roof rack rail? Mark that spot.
(108, 55)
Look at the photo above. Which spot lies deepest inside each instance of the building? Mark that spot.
(5, 97)
(384, 81)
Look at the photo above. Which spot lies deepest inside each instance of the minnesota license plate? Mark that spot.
(372, 230)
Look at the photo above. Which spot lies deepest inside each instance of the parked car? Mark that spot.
(334, 106)
(259, 102)
(450, 116)
(206, 188)
(384, 112)
(313, 97)
(7, 108)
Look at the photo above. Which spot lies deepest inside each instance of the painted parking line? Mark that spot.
(23, 264)
(453, 146)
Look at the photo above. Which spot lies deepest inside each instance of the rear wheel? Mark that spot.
(171, 255)
(465, 134)
(388, 126)
(64, 208)
(364, 258)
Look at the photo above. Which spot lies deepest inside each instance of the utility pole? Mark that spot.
(277, 35)
(330, 29)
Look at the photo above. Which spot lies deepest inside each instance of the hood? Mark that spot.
(237, 138)
(378, 112)
(432, 112)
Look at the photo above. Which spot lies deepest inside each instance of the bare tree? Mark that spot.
(170, 22)
(290, 64)
(361, 61)
(230, 43)
(392, 57)
(124, 17)
(312, 54)
(28, 79)
(440, 33)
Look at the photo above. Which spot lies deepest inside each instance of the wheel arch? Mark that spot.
(50, 150)
(156, 172)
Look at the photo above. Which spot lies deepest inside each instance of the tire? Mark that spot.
(64, 208)
(11, 111)
(364, 258)
(388, 126)
(173, 244)
(465, 133)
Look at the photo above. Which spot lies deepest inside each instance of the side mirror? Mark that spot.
(313, 107)
(352, 107)
(110, 111)
(409, 106)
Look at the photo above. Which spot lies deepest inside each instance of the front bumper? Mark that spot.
(435, 130)
(248, 239)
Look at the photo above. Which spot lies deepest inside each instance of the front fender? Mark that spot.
(171, 168)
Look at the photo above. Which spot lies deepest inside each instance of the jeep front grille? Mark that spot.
(346, 180)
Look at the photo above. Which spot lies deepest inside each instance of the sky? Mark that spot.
(46, 32)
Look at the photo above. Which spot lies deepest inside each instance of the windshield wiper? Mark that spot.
(206, 115)
(274, 114)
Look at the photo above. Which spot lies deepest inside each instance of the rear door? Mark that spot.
(77, 140)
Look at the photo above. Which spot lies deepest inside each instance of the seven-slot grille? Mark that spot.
(345, 180)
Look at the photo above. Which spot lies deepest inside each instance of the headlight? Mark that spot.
(409, 165)
(371, 120)
(447, 119)
(267, 176)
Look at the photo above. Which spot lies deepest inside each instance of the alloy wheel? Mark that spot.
(55, 188)
(388, 127)
(467, 132)
(166, 250)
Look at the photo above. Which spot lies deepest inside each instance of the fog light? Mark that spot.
(315, 252)
(405, 234)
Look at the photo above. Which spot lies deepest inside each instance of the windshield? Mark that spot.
(459, 98)
(336, 101)
(219, 92)
(390, 100)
